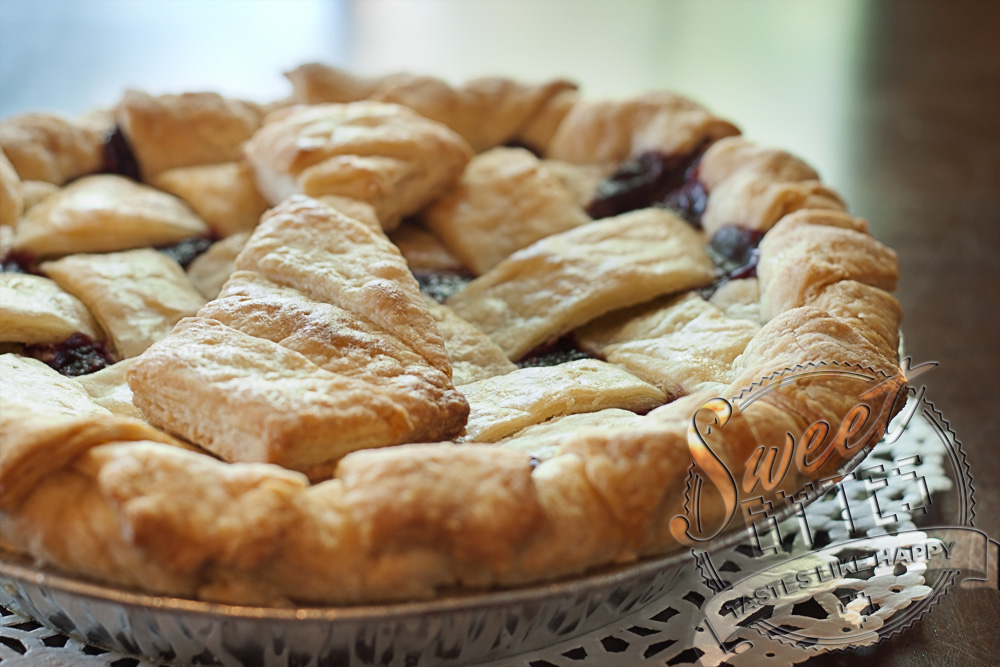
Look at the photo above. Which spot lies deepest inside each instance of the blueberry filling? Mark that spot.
(690, 199)
(17, 261)
(118, 156)
(734, 252)
(187, 251)
(77, 355)
(653, 179)
(733, 248)
(439, 285)
(559, 351)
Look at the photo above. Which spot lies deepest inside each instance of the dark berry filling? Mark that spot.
(525, 146)
(559, 351)
(118, 156)
(733, 247)
(734, 252)
(653, 179)
(17, 261)
(77, 355)
(187, 250)
(689, 200)
(439, 285)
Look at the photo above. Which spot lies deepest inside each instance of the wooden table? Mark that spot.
(897, 103)
(926, 163)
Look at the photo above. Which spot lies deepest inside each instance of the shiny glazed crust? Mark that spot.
(319, 354)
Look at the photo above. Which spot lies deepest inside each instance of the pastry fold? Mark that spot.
(838, 247)
(319, 345)
(104, 214)
(30, 382)
(754, 187)
(505, 200)
(548, 288)
(580, 179)
(136, 295)
(382, 154)
(36, 310)
(739, 299)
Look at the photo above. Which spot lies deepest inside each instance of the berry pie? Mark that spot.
(389, 338)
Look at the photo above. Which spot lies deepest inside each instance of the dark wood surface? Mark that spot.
(927, 173)
(896, 102)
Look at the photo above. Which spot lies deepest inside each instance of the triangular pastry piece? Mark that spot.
(30, 382)
(103, 214)
(319, 345)
(568, 279)
(36, 310)
(333, 258)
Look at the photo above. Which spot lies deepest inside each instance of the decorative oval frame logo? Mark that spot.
(953, 551)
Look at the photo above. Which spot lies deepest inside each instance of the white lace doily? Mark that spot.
(671, 630)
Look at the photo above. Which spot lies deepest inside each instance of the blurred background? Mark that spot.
(74, 55)
(895, 102)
